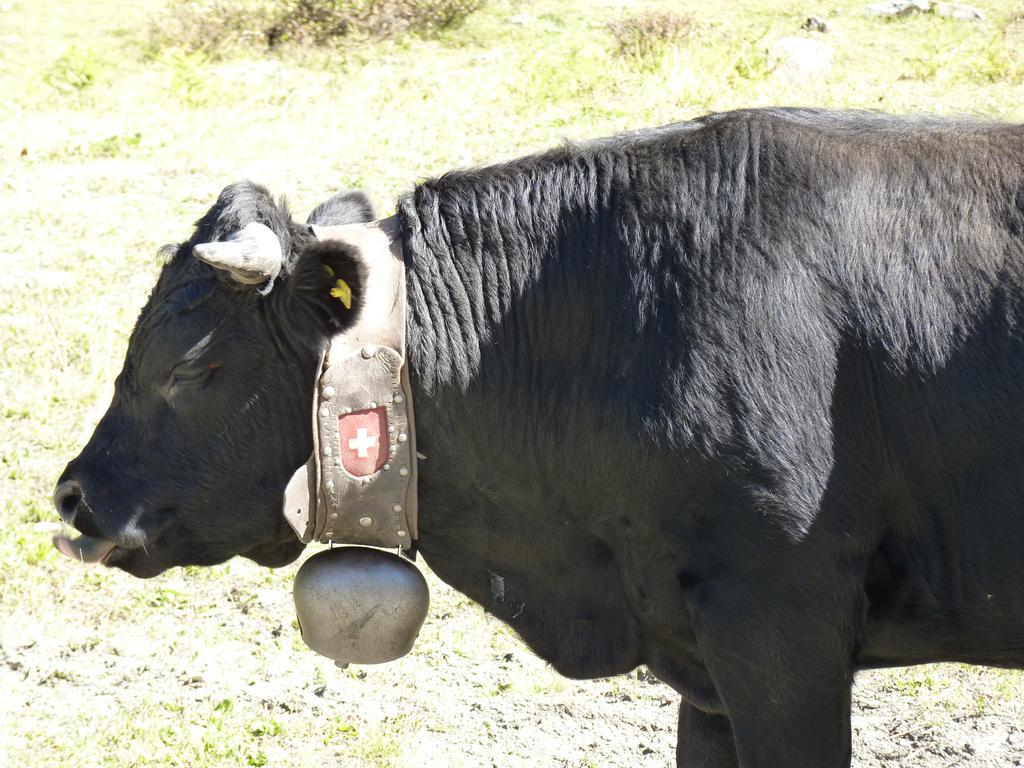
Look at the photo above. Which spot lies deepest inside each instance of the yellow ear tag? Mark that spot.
(342, 293)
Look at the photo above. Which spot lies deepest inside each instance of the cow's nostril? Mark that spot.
(66, 499)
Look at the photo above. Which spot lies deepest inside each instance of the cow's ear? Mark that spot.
(348, 207)
(330, 276)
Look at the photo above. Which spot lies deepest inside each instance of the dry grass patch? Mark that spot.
(323, 21)
(647, 35)
(217, 27)
(214, 28)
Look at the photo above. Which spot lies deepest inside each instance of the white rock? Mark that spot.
(898, 8)
(800, 57)
(959, 11)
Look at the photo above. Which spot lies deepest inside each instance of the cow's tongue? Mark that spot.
(84, 549)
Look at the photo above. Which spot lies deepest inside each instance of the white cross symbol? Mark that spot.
(362, 443)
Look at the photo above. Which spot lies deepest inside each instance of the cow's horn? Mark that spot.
(251, 255)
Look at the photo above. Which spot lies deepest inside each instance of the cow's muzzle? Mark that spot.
(91, 546)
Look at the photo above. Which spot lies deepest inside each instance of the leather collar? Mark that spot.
(359, 485)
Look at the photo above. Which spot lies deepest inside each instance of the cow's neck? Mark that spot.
(507, 316)
(496, 309)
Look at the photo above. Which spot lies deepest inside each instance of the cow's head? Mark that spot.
(211, 413)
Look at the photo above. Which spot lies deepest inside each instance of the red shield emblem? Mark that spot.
(364, 441)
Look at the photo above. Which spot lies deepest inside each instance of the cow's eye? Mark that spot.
(195, 377)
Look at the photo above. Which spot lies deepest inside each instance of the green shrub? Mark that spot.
(74, 71)
(751, 62)
(999, 60)
(994, 60)
(189, 75)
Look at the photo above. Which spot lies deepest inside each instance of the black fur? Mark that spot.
(741, 399)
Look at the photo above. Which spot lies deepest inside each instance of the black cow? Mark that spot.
(740, 399)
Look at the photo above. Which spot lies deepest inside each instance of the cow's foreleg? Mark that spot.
(705, 741)
(779, 653)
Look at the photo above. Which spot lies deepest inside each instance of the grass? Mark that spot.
(109, 149)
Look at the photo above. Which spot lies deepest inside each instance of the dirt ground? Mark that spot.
(206, 667)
